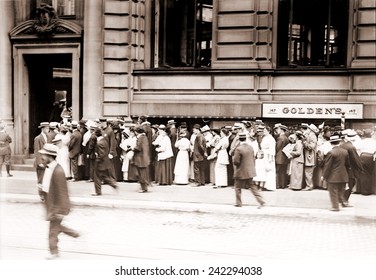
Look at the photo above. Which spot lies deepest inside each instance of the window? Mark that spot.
(312, 33)
(182, 33)
(61, 7)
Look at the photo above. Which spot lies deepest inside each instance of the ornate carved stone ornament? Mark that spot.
(45, 24)
(46, 21)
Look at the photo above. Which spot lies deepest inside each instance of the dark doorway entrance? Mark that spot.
(48, 73)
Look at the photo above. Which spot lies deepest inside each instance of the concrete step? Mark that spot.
(29, 161)
(23, 167)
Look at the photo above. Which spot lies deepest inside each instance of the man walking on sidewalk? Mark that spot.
(54, 194)
(244, 162)
(336, 169)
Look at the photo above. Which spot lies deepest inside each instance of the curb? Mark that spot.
(347, 214)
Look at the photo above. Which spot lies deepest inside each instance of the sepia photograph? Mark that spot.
(188, 139)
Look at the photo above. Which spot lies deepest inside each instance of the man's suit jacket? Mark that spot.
(280, 157)
(141, 157)
(244, 162)
(336, 166)
(38, 145)
(57, 199)
(75, 144)
(354, 159)
(199, 148)
(109, 136)
(102, 149)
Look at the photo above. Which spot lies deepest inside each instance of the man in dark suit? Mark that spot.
(109, 136)
(39, 142)
(102, 165)
(355, 164)
(74, 148)
(54, 193)
(198, 157)
(141, 158)
(281, 159)
(335, 172)
(244, 171)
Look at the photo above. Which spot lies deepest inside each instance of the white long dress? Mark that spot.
(181, 170)
(127, 145)
(63, 153)
(268, 146)
(221, 163)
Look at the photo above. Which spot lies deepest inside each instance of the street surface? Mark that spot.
(141, 234)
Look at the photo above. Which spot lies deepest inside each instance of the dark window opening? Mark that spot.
(312, 32)
(182, 32)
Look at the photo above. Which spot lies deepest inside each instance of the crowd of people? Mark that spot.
(110, 151)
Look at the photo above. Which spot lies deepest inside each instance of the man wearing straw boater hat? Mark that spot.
(335, 173)
(39, 141)
(54, 193)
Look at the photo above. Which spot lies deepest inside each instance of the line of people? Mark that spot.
(106, 152)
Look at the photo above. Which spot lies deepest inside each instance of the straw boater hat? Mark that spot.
(44, 124)
(171, 122)
(49, 149)
(162, 127)
(335, 139)
(351, 135)
(205, 128)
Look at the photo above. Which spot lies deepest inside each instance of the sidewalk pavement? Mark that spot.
(284, 203)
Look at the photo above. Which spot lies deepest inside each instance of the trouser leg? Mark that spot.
(238, 184)
(333, 194)
(143, 178)
(53, 235)
(97, 181)
(256, 193)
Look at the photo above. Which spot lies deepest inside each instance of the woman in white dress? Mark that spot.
(63, 153)
(268, 146)
(222, 160)
(181, 170)
(127, 144)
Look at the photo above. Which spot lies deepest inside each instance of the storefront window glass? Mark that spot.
(182, 33)
(312, 32)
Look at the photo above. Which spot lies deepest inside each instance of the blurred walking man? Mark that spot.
(54, 194)
(244, 162)
(336, 169)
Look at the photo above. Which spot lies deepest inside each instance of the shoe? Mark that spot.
(75, 235)
(142, 191)
(307, 189)
(90, 181)
(9, 175)
(346, 205)
(261, 205)
(237, 205)
(52, 256)
(334, 209)
(72, 180)
(96, 194)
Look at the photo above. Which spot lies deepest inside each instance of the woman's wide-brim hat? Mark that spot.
(49, 149)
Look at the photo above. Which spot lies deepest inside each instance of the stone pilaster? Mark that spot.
(93, 60)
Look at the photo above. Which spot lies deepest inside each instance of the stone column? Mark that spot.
(93, 60)
(6, 24)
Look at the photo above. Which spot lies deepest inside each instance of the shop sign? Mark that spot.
(312, 111)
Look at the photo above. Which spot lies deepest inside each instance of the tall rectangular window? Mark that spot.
(312, 33)
(61, 7)
(182, 32)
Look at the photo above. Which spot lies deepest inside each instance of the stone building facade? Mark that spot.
(212, 60)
